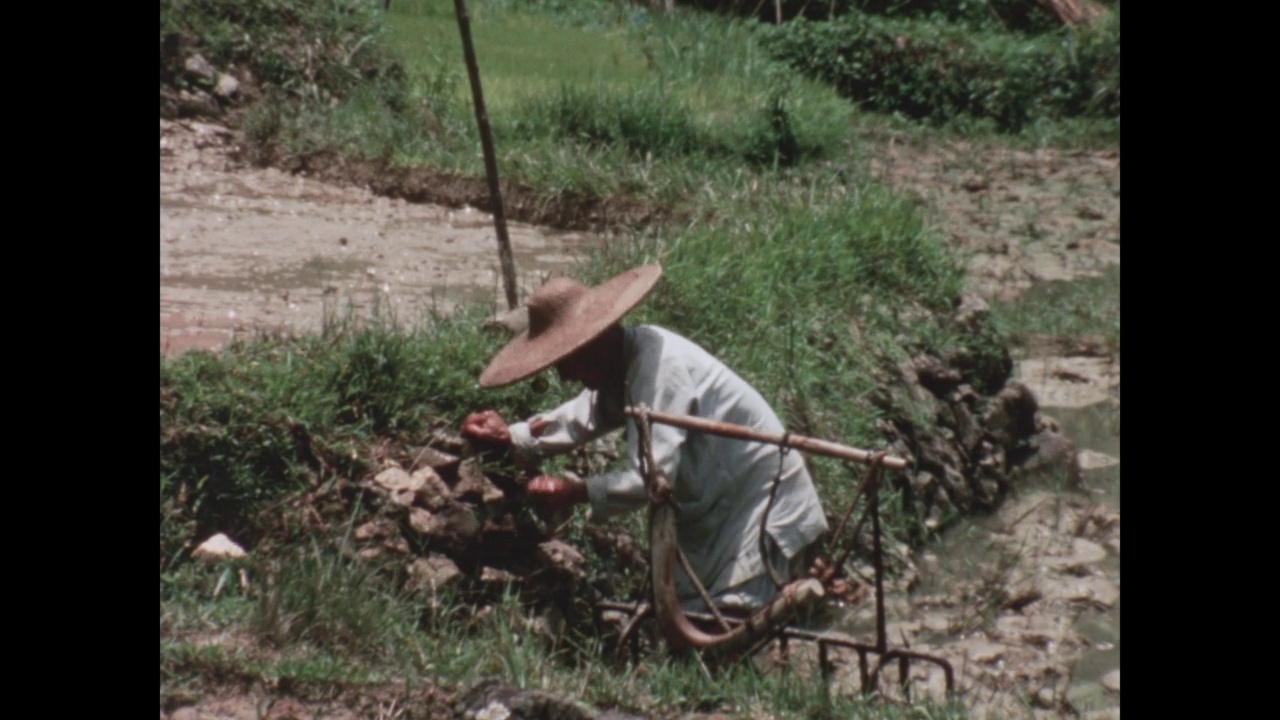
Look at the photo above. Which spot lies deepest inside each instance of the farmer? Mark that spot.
(721, 485)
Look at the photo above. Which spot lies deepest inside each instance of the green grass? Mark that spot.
(520, 54)
(370, 633)
(637, 104)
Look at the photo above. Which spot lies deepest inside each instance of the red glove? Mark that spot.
(486, 426)
(557, 493)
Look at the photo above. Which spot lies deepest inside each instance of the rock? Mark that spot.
(226, 87)
(395, 479)
(1093, 460)
(422, 521)
(1045, 698)
(432, 572)
(1084, 552)
(981, 651)
(218, 547)
(972, 310)
(288, 709)
(562, 557)
(397, 545)
(935, 376)
(1052, 452)
(198, 102)
(493, 699)
(474, 486)
(185, 713)
(210, 135)
(453, 526)
(432, 492)
(445, 464)
(495, 710)
(1090, 695)
(1096, 591)
(460, 522)
(495, 575)
(402, 486)
(1111, 680)
(449, 441)
(376, 530)
(937, 623)
(202, 69)
(968, 433)
(1012, 416)
(1092, 589)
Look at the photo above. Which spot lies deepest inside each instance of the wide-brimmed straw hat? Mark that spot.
(564, 315)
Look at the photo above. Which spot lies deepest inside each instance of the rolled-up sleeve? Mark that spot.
(574, 423)
(614, 493)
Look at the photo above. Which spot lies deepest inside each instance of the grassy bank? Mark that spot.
(786, 261)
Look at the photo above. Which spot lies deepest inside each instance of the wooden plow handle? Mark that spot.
(742, 432)
(771, 620)
(664, 551)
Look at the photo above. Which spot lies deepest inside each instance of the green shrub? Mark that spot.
(939, 71)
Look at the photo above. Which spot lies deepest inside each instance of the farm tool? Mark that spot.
(727, 636)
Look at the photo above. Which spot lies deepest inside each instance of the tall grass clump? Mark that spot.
(317, 597)
(813, 294)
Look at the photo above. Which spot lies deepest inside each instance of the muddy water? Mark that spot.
(1024, 603)
(1096, 431)
(1059, 651)
(246, 250)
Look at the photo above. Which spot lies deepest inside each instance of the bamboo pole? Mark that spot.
(490, 160)
(799, 442)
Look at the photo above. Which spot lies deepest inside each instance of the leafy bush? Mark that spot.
(939, 71)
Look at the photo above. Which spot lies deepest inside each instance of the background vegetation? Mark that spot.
(782, 258)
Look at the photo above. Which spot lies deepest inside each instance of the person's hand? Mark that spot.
(486, 426)
(557, 494)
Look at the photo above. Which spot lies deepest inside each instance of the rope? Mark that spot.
(784, 447)
(660, 494)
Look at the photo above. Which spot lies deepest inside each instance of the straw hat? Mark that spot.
(563, 316)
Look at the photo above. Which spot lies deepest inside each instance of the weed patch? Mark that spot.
(942, 72)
